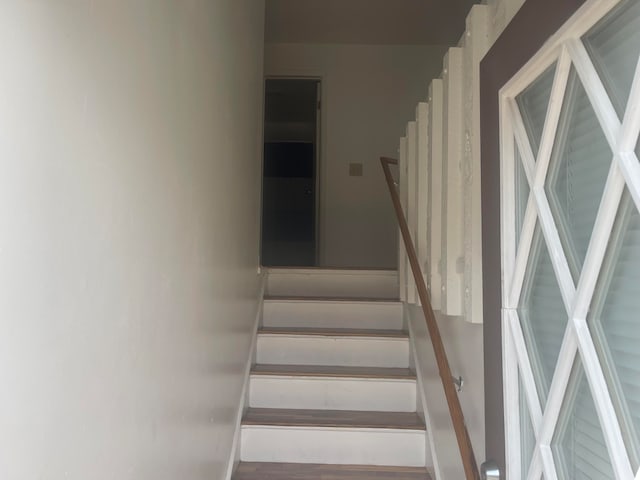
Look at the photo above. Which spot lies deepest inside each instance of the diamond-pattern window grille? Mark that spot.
(579, 446)
(533, 103)
(542, 315)
(614, 320)
(580, 163)
(575, 286)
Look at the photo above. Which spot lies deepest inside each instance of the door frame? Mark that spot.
(531, 27)
(319, 153)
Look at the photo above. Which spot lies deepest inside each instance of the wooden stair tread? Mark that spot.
(335, 268)
(334, 371)
(299, 471)
(305, 298)
(333, 332)
(332, 418)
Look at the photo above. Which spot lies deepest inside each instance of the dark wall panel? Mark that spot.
(536, 21)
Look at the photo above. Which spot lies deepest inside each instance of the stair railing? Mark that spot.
(455, 410)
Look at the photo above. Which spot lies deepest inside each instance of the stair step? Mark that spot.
(284, 417)
(332, 313)
(333, 371)
(325, 346)
(333, 437)
(342, 283)
(297, 471)
(313, 298)
(333, 332)
(333, 388)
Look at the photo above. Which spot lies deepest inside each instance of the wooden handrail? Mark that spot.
(455, 410)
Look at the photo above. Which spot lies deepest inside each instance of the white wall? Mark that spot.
(464, 346)
(369, 93)
(129, 200)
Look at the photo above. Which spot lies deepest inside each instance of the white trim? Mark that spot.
(452, 197)
(627, 160)
(522, 257)
(554, 246)
(507, 195)
(522, 140)
(234, 455)
(403, 260)
(476, 44)
(511, 401)
(434, 222)
(554, 111)
(546, 456)
(631, 122)
(555, 399)
(597, 93)
(526, 372)
(412, 201)
(599, 242)
(630, 166)
(422, 162)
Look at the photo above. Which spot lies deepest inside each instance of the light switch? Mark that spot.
(355, 169)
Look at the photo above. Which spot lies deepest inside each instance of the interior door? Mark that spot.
(570, 251)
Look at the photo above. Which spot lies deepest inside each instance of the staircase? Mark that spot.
(331, 394)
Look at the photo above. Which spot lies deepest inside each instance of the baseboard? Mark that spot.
(234, 456)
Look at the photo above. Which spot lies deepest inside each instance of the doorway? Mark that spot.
(290, 172)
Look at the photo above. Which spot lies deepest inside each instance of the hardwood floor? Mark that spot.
(329, 332)
(332, 418)
(331, 299)
(334, 371)
(293, 471)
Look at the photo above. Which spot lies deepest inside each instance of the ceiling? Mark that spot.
(396, 22)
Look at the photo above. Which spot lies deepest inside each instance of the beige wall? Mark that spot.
(129, 200)
(369, 93)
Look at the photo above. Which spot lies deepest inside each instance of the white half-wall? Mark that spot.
(129, 226)
(463, 344)
(369, 91)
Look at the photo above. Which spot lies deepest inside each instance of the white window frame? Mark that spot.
(565, 48)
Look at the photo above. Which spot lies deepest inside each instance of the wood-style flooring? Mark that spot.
(333, 371)
(330, 332)
(295, 471)
(285, 417)
(316, 298)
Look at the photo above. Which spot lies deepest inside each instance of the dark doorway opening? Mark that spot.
(289, 182)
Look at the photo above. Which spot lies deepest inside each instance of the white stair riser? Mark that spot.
(323, 283)
(346, 351)
(333, 445)
(332, 393)
(327, 314)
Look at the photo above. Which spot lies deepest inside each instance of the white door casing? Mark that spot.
(542, 237)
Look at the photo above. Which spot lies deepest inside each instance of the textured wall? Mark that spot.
(129, 200)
